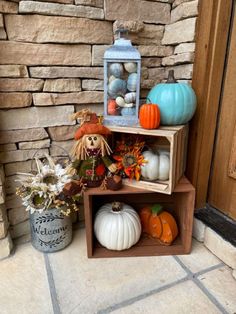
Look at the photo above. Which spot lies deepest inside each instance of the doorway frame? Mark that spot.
(212, 32)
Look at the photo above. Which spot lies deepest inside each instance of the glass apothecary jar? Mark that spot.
(122, 71)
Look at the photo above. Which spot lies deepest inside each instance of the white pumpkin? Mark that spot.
(130, 97)
(130, 67)
(121, 103)
(117, 226)
(157, 166)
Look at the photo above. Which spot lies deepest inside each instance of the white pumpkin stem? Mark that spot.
(116, 206)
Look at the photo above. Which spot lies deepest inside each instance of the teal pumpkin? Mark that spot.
(116, 88)
(129, 111)
(177, 101)
(132, 82)
(116, 69)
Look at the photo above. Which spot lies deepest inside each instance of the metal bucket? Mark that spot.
(51, 231)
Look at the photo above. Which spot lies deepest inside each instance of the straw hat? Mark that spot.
(90, 124)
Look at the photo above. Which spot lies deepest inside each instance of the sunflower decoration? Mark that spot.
(37, 201)
(48, 187)
(129, 158)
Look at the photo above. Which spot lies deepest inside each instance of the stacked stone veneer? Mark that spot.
(5, 238)
(51, 65)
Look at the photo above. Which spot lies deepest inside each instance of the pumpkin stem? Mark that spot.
(149, 101)
(156, 209)
(116, 206)
(171, 77)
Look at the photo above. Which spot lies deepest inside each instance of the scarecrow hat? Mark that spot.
(89, 124)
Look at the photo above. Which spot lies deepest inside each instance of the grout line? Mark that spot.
(202, 272)
(210, 296)
(190, 276)
(200, 285)
(140, 297)
(52, 288)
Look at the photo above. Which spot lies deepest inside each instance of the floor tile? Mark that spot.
(222, 286)
(200, 258)
(23, 283)
(87, 285)
(184, 298)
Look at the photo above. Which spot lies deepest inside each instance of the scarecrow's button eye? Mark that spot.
(95, 138)
(90, 138)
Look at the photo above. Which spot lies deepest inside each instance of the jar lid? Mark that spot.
(122, 48)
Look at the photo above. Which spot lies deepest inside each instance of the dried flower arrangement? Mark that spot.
(50, 187)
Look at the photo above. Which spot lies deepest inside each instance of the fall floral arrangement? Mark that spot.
(140, 158)
(128, 156)
(51, 186)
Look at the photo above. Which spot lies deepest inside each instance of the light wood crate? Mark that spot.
(175, 139)
(180, 204)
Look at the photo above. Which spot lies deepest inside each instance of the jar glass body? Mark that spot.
(122, 72)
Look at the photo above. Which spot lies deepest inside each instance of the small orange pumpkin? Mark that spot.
(159, 224)
(112, 107)
(149, 116)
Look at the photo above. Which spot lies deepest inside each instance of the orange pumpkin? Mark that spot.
(112, 107)
(149, 116)
(159, 224)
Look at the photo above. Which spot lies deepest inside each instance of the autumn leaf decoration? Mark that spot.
(128, 157)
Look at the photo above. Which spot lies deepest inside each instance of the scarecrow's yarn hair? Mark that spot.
(79, 149)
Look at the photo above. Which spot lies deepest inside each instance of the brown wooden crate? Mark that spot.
(180, 204)
(175, 137)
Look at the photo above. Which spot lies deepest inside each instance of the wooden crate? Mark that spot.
(174, 138)
(180, 204)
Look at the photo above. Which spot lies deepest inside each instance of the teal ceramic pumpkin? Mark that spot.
(128, 111)
(177, 101)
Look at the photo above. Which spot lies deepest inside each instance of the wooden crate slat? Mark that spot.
(173, 153)
(151, 186)
(150, 249)
(139, 130)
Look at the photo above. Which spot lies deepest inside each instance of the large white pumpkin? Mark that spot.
(157, 166)
(117, 226)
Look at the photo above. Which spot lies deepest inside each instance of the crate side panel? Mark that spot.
(88, 205)
(182, 153)
(184, 208)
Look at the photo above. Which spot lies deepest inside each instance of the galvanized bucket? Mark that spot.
(51, 231)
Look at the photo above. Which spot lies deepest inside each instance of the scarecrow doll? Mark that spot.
(91, 149)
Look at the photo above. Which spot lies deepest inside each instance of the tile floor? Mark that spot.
(67, 282)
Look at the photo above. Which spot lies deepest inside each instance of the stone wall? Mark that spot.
(51, 65)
